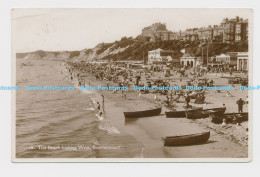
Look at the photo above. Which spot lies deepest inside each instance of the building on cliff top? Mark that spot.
(160, 56)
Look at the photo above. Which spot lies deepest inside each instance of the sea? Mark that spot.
(63, 123)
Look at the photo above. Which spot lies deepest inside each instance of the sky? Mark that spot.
(77, 29)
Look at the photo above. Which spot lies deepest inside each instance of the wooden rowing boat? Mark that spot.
(186, 139)
(210, 109)
(146, 113)
(197, 114)
(178, 114)
(229, 117)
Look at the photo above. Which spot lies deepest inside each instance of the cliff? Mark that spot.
(137, 48)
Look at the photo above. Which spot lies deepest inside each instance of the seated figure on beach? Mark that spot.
(229, 94)
(167, 101)
(218, 91)
(139, 94)
(224, 124)
(177, 98)
(155, 96)
(124, 94)
(235, 120)
(114, 91)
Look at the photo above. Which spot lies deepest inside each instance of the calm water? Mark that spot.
(59, 124)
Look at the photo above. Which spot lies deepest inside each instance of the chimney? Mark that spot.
(237, 18)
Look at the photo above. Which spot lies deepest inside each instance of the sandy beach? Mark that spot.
(228, 142)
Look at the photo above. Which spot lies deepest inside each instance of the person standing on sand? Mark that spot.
(155, 96)
(187, 99)
(139, 94)
(98, 106)
(125, 94)
(103, 102)
(240, 104)
(83, 82)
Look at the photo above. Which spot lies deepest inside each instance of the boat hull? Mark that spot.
(178, 114)
(186, 139)
(229, 117)
(204, 113)
(146, 113)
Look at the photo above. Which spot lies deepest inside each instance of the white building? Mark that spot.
(223, 59)
(242, 61)
(160, 55)
(188, 60)
(228, 60)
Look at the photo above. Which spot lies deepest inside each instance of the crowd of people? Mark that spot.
(125, 74)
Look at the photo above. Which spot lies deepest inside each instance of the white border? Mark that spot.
(119, 169)
(248, 159)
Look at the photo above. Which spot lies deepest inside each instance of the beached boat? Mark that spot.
(210, 109)
(186, 139)
(146, 113)
(197, 114)
(229, 117)
(178, 114)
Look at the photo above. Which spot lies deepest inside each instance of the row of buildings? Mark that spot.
(229, 30)
(235, 60)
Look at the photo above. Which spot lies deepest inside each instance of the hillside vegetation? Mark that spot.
(129, 48)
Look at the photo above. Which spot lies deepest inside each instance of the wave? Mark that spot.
(100, 118)
(46, 133)
(109, 128)
(86, 91)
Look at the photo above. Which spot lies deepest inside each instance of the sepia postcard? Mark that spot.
(132, 84)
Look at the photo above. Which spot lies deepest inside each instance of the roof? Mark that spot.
(232, 53)
(156, 50)
(242, 54)
(222, 55)
(187, 55)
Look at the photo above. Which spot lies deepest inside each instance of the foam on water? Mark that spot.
(86, 91)
(110, 129)
(94, 100)
(100, 118)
